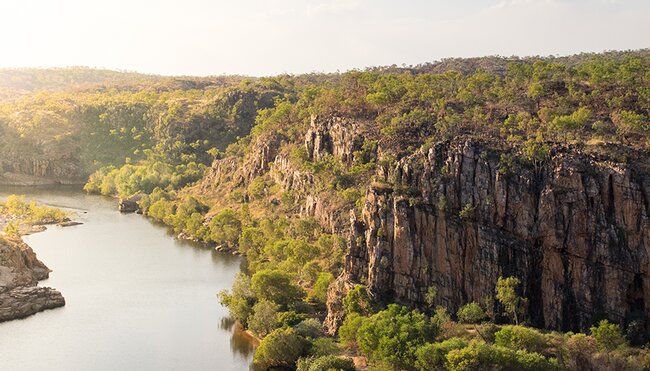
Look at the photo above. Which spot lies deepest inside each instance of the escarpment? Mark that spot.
(458, 216)
(573, 226)
(20, 272)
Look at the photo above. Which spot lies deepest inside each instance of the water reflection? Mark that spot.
(241, 342)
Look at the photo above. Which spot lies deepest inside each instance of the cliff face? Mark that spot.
(573, 228)
(20, 272)
(575, 231)
(35, 171)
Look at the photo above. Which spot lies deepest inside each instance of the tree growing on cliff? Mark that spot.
(506, 292)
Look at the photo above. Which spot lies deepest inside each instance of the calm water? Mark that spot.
(136, 298)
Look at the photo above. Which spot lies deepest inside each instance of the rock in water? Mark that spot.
(130, 204)
(20, 272)
(24, 301)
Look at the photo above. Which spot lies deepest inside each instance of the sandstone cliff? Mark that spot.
(17, 170)
(458, 215)
(20, 272)
(574, 230)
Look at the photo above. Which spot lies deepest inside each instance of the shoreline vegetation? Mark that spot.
(19, 217)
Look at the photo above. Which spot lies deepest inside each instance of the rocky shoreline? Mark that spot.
(20, 271)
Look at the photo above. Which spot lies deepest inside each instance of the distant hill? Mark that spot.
(15, 82)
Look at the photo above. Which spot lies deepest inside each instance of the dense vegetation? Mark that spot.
(16, 212)
(161, 141)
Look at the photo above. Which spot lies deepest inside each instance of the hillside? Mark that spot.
(514, 190)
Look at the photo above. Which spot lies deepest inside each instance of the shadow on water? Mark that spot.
(241, 342)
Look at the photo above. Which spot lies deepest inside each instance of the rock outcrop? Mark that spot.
(15, 170)
(130, 204)
(20, 272)
(575, 230)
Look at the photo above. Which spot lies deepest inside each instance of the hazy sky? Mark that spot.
(262, 37)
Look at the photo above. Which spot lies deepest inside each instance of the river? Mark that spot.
(136, 297)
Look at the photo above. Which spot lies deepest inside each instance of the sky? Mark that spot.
(269, 37)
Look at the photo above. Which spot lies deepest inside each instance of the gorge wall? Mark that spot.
(575, 231)
(460, 214)
(22, 170)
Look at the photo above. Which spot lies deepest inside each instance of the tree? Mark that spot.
(572, 122)
(521, 338)
(264, 318)
(240, 299)
(319, 292)
(506, 293)
(276, 285)
(394, 334)
(630, 123)
(608, 335)
(434, 355)
(472, 313)
(280, 348)
(328, 362)
(349, 328)
(225, 227)
(357, 300)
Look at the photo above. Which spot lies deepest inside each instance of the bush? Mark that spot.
(310, 328)
(240, 299)
(479, 355)
(349, 328)
(357, 300)
(324, 363)
(280, 348)
(393, 335)
(521, 338)
(276, 286)
(264, 318)
(471, 313)
(323, 346)
(434, 355)
(319, 292)
(608, 335)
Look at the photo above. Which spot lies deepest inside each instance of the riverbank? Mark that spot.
(20, 269)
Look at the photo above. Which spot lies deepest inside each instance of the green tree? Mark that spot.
(608, 335)
(280, 348)
(326, 363)
(276, 285)
(394, 334)
(506, 293)
(264, 318)
(323, 281)
(349, 328)
(434, 355)
(240, 299)
(472, 313)
(225, 227)
(521, 338)
(357, 300)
